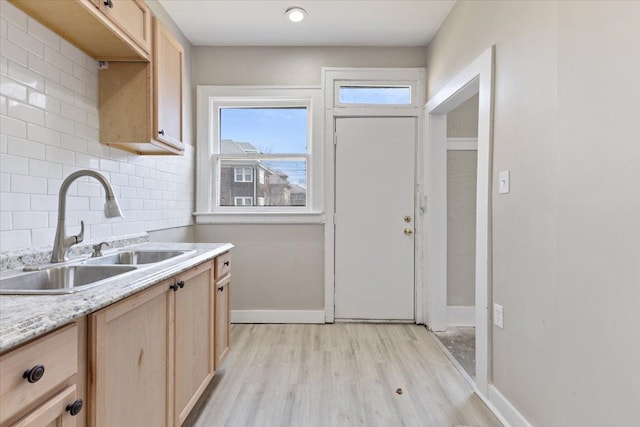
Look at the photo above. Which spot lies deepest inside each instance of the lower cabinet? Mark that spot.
(56, 412)
(152, 354)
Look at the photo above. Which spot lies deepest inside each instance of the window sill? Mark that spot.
(261, 218)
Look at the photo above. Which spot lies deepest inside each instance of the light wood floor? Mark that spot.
(337, 375)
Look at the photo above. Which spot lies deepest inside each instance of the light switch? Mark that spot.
(503, 182)
(498, 316)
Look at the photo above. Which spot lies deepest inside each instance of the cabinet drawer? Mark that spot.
(53, 412)
(56, 352)
(223, 264)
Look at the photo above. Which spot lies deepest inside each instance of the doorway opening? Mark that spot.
(474, 81)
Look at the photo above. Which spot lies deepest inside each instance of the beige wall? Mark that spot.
(461, 227)
(565, 240)
(462, 122)
(277, 267)
(291, 65)
(294, 280)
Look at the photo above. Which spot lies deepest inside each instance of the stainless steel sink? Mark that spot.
(61, 280)
(136, 257)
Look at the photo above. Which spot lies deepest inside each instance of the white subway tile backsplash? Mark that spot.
(25, 112)
(12, 202)
(73, 143)
(13, 165)
(25, 40)
(15, 239)
(59, 123)
(43, 101)
(54, 57)
(13, 15)
(42, 134)
(76, 85)
(44, 202)
(74, 113)
(59, 155)
(42, 67)
(25, 76)
(43, 34)
(49, 128)
(28, 184)
(43, 236)
(12, 89)
(45, 169)
(28, 220)
(5, 221)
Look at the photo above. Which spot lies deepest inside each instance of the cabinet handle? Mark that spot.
(226, 263)
(221, 288)
(161, 131)
(74, 408)
(181, 284)
(34, 374)
(174, 287)
(108, 3)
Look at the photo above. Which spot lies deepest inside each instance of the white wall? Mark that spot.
(291, 272)
(565, 240)
(50, 128)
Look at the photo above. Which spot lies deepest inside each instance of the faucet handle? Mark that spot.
(80, 237)
(97, 249)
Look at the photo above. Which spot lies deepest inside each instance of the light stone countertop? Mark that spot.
(24, 317)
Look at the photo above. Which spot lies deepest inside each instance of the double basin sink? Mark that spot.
(79, 275)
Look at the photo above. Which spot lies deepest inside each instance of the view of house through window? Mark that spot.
(263, 156)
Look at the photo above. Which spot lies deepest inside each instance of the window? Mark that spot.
(243, 174)
(262, 152)
(375, 95)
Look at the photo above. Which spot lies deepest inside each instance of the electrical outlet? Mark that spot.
(498, 316)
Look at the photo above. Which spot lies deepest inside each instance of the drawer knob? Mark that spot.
(108, 3)
(161, 131)
(221, 288)
(226, 263)
(75, 407)
(181, 284)
(34, 374)
(174, 287)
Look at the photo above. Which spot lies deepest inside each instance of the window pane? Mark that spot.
(263, 130)
(282, 183)
(375, 95)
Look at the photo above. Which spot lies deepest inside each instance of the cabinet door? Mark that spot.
(133, 17)
(52, 413)
(194, 330)
(167, 67)
(222, 319)
(130, 360)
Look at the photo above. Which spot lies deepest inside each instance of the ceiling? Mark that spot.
(329, 22)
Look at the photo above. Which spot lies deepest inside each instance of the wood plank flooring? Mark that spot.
(343, 374)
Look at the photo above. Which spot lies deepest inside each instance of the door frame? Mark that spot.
(416, 77)
(477, 77)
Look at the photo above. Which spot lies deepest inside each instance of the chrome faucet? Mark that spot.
(111, 209)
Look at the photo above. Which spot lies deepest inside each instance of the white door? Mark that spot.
(374, 244)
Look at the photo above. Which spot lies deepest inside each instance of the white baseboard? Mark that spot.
(508, 415)
(460, 315)
(277, 316)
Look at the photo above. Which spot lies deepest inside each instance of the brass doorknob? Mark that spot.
(408, 231)
(407, 218)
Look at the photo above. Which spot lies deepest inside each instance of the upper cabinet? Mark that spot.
(109, 30)
(141, 103)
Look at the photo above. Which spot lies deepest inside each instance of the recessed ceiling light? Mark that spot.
(296, 14)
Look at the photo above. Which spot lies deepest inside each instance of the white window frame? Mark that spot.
(242, 200)
(243, 175)
(210, 99)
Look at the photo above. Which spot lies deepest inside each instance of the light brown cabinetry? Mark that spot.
(130, 361)
(223, 282)
(194, 337)
(115, 30)
(141, 103)
(152, 354)
(38, 381)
